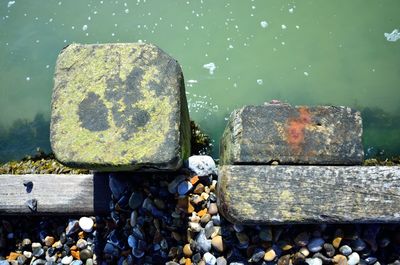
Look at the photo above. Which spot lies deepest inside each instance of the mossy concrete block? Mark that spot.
(287, 134)
(119, 107)
(302, 194)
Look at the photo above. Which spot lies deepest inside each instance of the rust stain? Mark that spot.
(296, 128)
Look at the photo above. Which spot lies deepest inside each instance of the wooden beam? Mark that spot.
(309, 194)
(54, 194)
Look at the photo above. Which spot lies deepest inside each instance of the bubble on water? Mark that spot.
(283, 43)
(192, 81)
(264, 24)
(116, 25)
(28, 78)
(253, 7)
(84, 27)
(393, 36)
(140, 41)
(306, 73)
(10, 3)
(59, 3)
(101, 2)
(291, 10)
(234, 85)
(95, 12)
(230, 46)
(73, 27)
(211, 67)
(297, 26)
(50, 20)
(89, 18)
(113, 14)
(37, 41)
(47, 66)
(113, 34)
(260, 81)
(186, 28)
(283, 26)
(127, 11)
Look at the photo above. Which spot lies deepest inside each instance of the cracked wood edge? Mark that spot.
(55, 194)
(309, 194)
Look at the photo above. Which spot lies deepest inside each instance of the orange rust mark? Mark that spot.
(296, 128)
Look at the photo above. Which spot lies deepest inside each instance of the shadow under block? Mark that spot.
(309, 194)
(55, 194)
(118, 107)
(322, 135)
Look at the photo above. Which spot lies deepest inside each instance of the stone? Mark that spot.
(187, 251)
(199, 189)
(336, 241)
(264, 195)
(257, 255)
(339, 260)
(195, 227)
(209, 258)
(222, 261)
(270, 254)
(202, 242)
(329, 250)
(133, 219)
(49, 241)
(73, 227)
(184, 187)
(302, 239)
(315, 244)
(26, 242)
(205, 218)
(202, 165)
(345, 250)
(353, 258)
(304, 251)
(136, 200)
(358, 245)
(217, 243)
(66, 260)
(284, 260)
(27, 254)
(213, 209)
(85, 254)
(324, 135)
(314, 261)
(77, 262)
(119, 107)
(86, 224)
(81, 243)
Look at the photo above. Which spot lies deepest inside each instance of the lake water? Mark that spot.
(232, 52)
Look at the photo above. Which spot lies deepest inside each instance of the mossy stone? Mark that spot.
(119, 107)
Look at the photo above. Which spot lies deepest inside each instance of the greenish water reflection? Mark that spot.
(302, 52)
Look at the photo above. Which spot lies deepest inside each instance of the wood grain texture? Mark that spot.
(309, 194)
(55, 194)
(321, 135)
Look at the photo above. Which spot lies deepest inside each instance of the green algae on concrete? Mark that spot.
(119, 107)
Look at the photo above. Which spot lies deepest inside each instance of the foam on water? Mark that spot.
(211, 67)
(10, 3)
(264, 24)
(393, 36)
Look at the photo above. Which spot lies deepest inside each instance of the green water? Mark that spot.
(301, 52)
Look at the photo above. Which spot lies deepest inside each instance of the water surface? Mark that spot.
(232, 53)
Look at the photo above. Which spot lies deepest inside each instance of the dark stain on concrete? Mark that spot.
(93, 113)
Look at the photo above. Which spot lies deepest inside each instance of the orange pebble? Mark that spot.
(81, 235)
(194, 179)
(13, 256)
(202, 212)
(188, 261)
(75, 254)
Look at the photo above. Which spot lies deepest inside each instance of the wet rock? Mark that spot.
(218, 244)
(358, 245)
(221, 261)
(202, 165)
(136, 200)
(314, 261)
(86, 224)
(315, 244)
(265, 234)
(209, 258)
(284, 260)
(270, 254)
(49, 241)
(73, 227)
(152, 135)
(173, 185)
(302, 239)
(353, 258)
(329, 250)
(257, 255)
(184, 187)
(345, 250)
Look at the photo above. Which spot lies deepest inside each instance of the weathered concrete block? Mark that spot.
(292, 135)
(309, 194)
(119, 107)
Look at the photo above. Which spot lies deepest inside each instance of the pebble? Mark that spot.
(173, 185)
(136, 200)
(243, 240)
(81, 243)
(67, 260)
(202, 165)
(184, 187)
(329, 250)
(336, 242)
(345, 250)
(358, 245)
(340, 260)
(187, 251)
(77, 262)
(209, 258)
(117, 185)
(213, 209)
(265, 234)
(257, 255)
(314, 261)
(206, 218)
(202, 242)
(27, 254)
(217, 243)
(304, 251)
(270, 255)
(221, 261)
(302, 239)
(133, 219)
(26, 242)
(199, 189)
(73, 227)
(195, 227)
(315, 244)
(284, 260)
(353, 259)
(86, 224)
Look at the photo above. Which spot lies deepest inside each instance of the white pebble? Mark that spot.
(209, 258)
(353, 259)
(86, 224)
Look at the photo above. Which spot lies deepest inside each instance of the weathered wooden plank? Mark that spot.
(321, 135)
(55, 194)
(309, 194)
